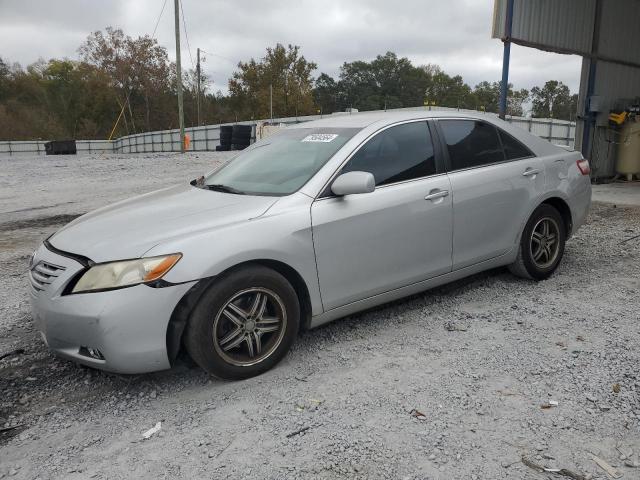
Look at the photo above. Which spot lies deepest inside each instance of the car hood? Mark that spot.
(130, 228)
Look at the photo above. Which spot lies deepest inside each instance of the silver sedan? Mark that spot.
(319, 221)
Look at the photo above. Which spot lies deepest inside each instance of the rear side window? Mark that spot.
(513, 149)
(399, 153)
(471, 143)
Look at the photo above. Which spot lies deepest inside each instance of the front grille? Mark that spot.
(43, 273)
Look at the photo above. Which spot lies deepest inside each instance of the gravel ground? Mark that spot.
(446, 384)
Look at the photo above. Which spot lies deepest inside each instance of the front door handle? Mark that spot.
(529, 172)
(435, 194)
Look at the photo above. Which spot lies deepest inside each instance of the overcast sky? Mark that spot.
(455, 34)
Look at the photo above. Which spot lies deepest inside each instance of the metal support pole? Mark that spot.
(589, 117)
(198, 93)
(271, 102)
(179, 75)
(506, 40)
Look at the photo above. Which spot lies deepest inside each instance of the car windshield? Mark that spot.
(280, 164)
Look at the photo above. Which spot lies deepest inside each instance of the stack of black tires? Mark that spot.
(60, 147)
(234, 137)
(225, 138)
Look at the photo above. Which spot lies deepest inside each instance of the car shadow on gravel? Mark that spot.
(418, 300)
(36, 383)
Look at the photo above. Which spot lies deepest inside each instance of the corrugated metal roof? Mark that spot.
(620, 30)
(614, 81)
(558, 25)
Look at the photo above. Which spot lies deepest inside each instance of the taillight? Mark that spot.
(583, 166)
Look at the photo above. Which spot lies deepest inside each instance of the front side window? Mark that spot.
(471, 143)
(280, 164)
(399, 153)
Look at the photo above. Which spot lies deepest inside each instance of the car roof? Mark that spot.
(375, 120)
(364, 119)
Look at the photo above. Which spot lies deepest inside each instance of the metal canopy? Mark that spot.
(606, 33)
(569, 26)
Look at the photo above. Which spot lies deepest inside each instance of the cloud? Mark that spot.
(455, 34)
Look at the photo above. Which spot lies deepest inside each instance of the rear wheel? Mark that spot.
(542, 244)
(244, 324)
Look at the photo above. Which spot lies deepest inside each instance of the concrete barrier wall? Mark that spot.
(36, 147)
(205, 138)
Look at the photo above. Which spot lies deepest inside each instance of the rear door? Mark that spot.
(494, 180)
(397, 235)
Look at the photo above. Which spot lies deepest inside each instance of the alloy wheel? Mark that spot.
(544, 244)
(250, 326)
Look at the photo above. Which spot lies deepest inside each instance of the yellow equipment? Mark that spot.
(618, 118)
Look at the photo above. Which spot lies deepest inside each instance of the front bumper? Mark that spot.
(128, 326)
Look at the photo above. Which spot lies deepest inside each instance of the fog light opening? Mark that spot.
(91, 353)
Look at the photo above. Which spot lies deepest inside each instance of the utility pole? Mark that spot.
(179, 76)
(198, 94)
(271, 101)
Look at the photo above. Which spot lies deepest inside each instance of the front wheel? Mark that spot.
(244, 324)
(541, 245)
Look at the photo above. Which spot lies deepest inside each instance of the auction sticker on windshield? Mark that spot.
(320, 137)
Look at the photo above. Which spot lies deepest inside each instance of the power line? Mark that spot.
(186, 35)
(216, 55)
(159, 17)
(126, 99)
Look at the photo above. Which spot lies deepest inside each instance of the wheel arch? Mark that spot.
(565, 211)
(182, 312)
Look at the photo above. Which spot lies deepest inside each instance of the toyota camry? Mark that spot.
(319, 221)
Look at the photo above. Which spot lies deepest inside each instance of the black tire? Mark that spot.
(223, 148)
(235, 146)
(209, 351)
(241, 139)
(242, 130)
(527, 265)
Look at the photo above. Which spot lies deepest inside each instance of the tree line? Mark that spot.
(133, 80)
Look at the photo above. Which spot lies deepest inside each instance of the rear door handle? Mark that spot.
(435, 194)
(530, 172)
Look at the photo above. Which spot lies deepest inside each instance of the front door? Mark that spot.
(399, 234)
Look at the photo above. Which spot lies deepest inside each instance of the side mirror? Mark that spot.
(351, 183)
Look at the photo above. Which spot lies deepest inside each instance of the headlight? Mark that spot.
(126, 273)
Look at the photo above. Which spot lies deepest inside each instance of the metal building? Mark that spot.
(606, 33)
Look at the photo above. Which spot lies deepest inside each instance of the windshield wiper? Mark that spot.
(224, 188)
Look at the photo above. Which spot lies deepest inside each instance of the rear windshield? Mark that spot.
(281, 163)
